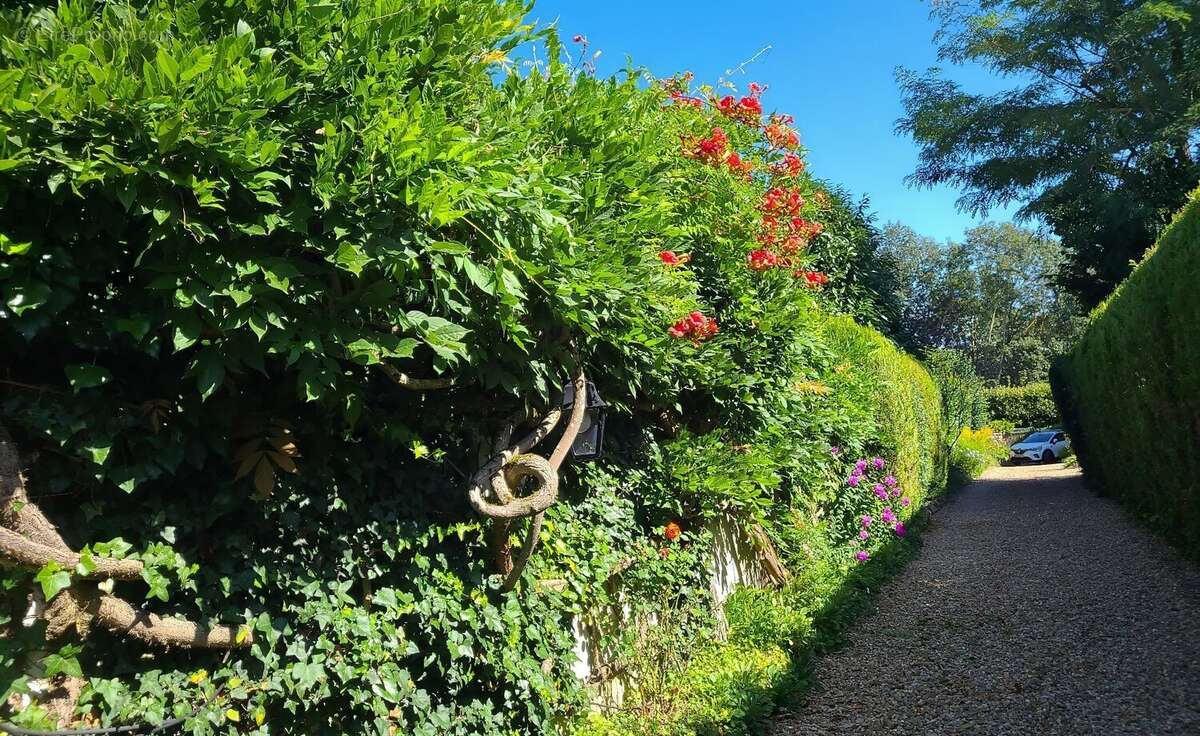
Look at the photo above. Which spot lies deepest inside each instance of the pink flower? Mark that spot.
(866, 520)
(904, 501)
(852, 480)
(862, 555)
(895, 492)
(890, 481)
(888, 515)
(881, 493)
(861, 466)
(899, 529)
(878, 463)
(863, 535)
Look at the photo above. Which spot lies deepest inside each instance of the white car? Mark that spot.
(1040, 447)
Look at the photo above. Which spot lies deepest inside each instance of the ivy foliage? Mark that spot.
(226, 228)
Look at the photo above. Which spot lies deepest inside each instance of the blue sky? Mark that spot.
(830, 64)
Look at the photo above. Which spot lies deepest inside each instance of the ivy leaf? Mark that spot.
(53, 580)
(65, 662)
(87, 563)
(86, 376)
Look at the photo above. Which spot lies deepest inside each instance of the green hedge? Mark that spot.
(1031, 405)
(1130, 390)
(229, 230)
(906, 401)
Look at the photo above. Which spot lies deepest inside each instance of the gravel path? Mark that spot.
(1035, 607)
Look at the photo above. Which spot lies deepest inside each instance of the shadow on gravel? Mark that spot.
(854, 599)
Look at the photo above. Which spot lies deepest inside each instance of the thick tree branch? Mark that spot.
(414, 384)
(29, 539)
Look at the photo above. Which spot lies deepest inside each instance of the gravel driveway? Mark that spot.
(1035, 607)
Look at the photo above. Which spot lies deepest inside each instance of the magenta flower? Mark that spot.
(904, 501)
(896, 492)
(881, 492)
(878, 463)
(890, 481)
(899, 529)
(852, 480)
(860, 466)
(888, 515)
(835, 450)
(866, 520)
(862, 555)
(863, 535)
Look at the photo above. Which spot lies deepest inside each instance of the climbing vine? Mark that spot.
(281, 285)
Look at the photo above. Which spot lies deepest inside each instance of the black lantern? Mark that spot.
(590, 441)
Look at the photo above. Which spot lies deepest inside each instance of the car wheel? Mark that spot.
(1047, 456)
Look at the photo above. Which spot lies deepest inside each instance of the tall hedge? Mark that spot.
(278, 278)
(1031, 405)
(907, 404)
(1130, 390)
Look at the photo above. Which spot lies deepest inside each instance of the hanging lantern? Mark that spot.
(589, 443)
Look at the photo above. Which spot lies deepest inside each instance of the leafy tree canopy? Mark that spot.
(1097, 136)
(990, 296)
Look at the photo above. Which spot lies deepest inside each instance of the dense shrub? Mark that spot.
(275, 279)
(964, 397)
(1130, 390)
(974, 451)
(1031, 405)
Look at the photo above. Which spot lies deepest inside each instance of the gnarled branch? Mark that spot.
(504, 473)
(29, 539)
(414, 384)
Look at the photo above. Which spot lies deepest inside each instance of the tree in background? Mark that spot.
(990, 297)
(1098, 136)
(862, 281)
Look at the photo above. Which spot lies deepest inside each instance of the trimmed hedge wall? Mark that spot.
(1130, 390)
(908, 406)
(1031, 405)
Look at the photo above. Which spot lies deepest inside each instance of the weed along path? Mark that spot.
(1035, 607)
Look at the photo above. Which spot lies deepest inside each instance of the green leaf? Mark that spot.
(99, 454)
(442, 335)
(363, 352)
(87, 563)
(65, 662)
(167, 65)
(53, 580)
(209, 369)
(199, 66)
(86, 376)
(446, 246)
(9, 248)
(351, 258)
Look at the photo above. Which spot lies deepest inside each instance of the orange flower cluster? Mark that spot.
(748, 110)
(779, 132)
(696, 327)
(812, 279)
(711, 150)
(670, 258)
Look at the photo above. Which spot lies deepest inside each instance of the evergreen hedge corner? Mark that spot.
(1130, 389)
(1031, 405)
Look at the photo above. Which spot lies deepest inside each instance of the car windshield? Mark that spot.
(1038, 437)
